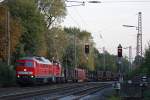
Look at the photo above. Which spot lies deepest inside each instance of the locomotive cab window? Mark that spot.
(26, 64)
(29, 64)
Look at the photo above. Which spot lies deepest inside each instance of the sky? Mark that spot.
(104, 20)
(1, 0)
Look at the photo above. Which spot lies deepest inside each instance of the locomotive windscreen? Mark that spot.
(27, 64)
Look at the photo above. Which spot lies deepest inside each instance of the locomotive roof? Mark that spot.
(38, 59)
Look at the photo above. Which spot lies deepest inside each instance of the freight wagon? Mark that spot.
(106, 76)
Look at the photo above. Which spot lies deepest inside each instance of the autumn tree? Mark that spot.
(15, 31)
(3, 33)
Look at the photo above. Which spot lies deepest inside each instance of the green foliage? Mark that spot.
(34, 28)
(144, 68)
(72, 30)
(98, 60)
(81, 35)
(57, 41)
(7, 75)
(68, 57)
(110, 61)
(32, 22)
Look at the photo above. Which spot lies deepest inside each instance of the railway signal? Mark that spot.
(119, 50)
(87, 48)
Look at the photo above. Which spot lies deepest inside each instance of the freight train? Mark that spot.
(37, 70)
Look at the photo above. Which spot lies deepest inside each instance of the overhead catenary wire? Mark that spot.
(74, 21)
(126, 1)
(74, 3)
(81, 18)
(110, 1)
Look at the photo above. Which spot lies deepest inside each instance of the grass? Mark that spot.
(114, 98)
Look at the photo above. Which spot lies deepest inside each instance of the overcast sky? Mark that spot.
(107, 18)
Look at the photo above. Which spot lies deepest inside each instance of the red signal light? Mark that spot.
(119, 50)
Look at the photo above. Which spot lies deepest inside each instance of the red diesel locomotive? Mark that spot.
(37, 69)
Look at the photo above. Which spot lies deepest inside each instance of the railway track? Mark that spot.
(15, 93)
(79, 90)
(89, 91)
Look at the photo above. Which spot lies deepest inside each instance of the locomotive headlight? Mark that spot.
(25, 70)
(18, 76)
(32, 76)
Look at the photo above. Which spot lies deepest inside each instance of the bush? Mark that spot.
(7, 75)
(147, 95)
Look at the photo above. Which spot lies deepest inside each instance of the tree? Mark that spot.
(144, 68)
(81, 35)
(15, 32)
(57, 42)
(53, 10)
(33, 25)
(3, 34)
(146, 63)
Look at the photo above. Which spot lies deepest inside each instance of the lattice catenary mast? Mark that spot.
(139, 36)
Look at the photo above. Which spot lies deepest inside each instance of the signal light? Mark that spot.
(87, 48)
(119, 51)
